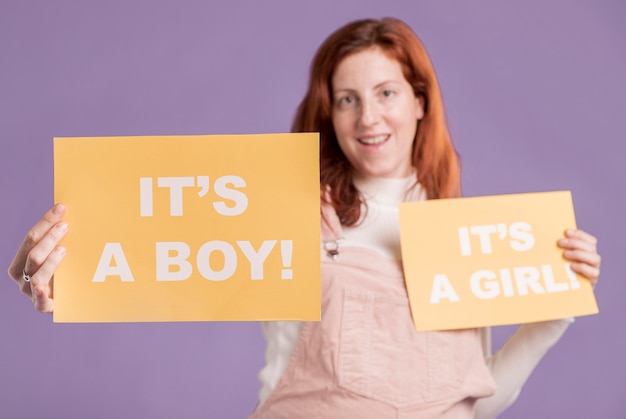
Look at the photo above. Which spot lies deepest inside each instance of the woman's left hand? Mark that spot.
(580, 248)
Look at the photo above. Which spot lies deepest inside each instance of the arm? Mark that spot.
(39, 256)
(514, 362)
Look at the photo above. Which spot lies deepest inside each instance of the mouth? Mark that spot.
(377, 139)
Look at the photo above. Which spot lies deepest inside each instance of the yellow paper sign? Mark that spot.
(189, 228)
(487, 261)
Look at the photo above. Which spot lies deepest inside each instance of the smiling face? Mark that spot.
(375, 114)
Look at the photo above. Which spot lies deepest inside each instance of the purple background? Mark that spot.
(535, 95)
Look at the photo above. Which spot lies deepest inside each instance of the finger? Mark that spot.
(41, 252)
(590, 272)
(581, 234)
(42, 282)
(591, 258)
(50, 219)
(42, 299)
(578, 241)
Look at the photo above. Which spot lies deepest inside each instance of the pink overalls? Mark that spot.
(364, 359)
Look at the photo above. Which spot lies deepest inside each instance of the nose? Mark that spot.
(370, 112)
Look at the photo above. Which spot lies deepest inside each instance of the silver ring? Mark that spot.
(25, 276)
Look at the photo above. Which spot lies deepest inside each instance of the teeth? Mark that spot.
(373, 140)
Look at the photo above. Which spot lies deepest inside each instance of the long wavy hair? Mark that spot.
(433, 154)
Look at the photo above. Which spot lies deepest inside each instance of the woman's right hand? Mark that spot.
(39, 256)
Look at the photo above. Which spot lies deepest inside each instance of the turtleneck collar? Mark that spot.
(385, 191)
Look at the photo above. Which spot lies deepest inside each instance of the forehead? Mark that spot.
(366, 67)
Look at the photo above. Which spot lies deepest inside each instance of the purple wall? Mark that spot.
(535, 94)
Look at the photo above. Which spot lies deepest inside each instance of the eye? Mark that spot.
(388, 93)
(346, 101)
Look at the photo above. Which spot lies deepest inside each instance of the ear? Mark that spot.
(419, 107)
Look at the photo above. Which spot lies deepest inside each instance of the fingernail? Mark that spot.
(62, 226)
(58, 208)
(61, 250)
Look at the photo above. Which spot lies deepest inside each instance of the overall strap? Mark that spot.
(331, 226)
(331, 230)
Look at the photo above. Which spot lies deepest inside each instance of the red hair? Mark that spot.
(434, 156)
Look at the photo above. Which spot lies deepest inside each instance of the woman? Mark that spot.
(374, 98)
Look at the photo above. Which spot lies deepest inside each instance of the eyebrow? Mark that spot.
(347, 89)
